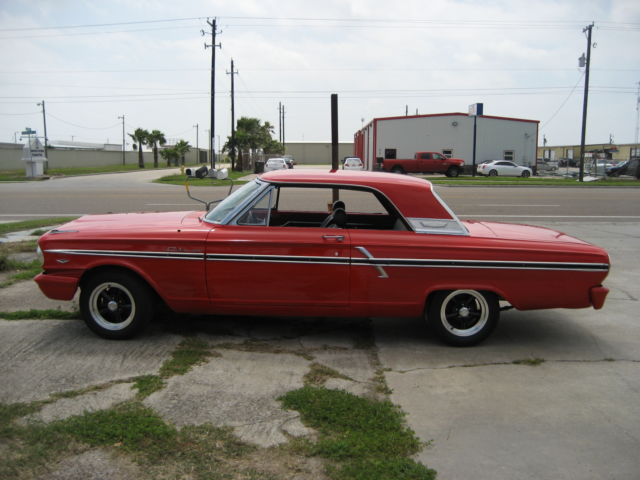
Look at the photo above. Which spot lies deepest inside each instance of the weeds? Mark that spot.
(366, 439)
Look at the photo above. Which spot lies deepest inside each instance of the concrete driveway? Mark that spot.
(551, 395)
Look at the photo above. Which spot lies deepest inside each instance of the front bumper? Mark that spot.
(57, 287)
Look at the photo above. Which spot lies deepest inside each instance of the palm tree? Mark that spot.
(182, 147)
(153, 139)
(141, 137)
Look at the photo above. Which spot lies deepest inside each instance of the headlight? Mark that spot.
(40, 255)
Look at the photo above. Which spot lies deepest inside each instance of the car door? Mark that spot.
(254, 267)
(426, 162)
(506, 168)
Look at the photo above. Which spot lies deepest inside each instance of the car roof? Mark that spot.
(413, 196)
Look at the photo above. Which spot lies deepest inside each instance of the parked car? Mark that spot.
(503, 168)
(391, 248)
(275, 164)
(353, 163)
(289, 161)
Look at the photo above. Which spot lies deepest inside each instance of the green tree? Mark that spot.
(170, 154)
(154, 138)
(140, 136)
(251, 134)
(182, 148)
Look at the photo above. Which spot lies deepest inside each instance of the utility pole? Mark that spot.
(213, 47)
(280, 122)
(44, 121)
(637, 116)
(233, 119)
(122, 117)
(282, 116)
(197, 126)
(586, 63)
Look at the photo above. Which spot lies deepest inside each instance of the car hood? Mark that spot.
(131, 222)
(511, 231)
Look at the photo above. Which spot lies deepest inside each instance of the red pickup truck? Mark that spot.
(424, 162)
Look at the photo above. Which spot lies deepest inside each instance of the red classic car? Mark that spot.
(303, 242)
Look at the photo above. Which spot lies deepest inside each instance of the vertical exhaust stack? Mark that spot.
(334, 131)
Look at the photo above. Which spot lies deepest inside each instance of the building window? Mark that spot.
(390, 153)
(635, 152)
(447, 152)
(508, 155)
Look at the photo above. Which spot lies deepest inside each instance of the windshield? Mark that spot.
(220, 212)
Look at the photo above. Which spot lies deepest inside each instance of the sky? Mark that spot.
(92, 62)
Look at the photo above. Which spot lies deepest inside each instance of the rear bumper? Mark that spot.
(597, 296)
(57, 287)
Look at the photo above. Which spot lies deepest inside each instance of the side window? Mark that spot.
(309, 207)
(259, 213)
(425, 156)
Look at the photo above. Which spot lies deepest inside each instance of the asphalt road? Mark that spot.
(131, 192)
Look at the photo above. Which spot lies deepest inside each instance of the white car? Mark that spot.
(275, 164)
(352, 163)
(503, 168)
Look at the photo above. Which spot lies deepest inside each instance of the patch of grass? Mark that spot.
(18, 247)
(25, 270)
(71, 171)
(318, 374)
(133, 427)
(147, 384)
(39, 233)
(366, 439)
(40, 315)
(532, 362)
(190, 352)
(31, 224)
(180, 179)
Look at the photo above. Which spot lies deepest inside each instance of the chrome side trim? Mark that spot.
(370, 257)
(370, 260)
(130, 253)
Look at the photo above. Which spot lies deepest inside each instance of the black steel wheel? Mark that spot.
(463, 317)
(116, 304)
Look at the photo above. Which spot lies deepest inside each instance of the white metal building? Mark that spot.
(452, 134)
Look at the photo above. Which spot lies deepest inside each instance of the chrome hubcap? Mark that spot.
(464, 312)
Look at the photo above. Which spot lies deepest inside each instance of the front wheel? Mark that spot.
(463, 317)
(116, 305)
(453, 172)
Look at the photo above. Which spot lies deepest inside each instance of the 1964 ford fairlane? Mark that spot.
(309, 243)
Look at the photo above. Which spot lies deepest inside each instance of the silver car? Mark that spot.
(275, 164)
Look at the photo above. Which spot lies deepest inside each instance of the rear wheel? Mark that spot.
(116, 304)
(397, 169)
(526, 173)
(493, 173)
(463, 317)
(453, 172)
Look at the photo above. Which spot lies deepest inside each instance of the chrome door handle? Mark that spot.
(339, 238)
